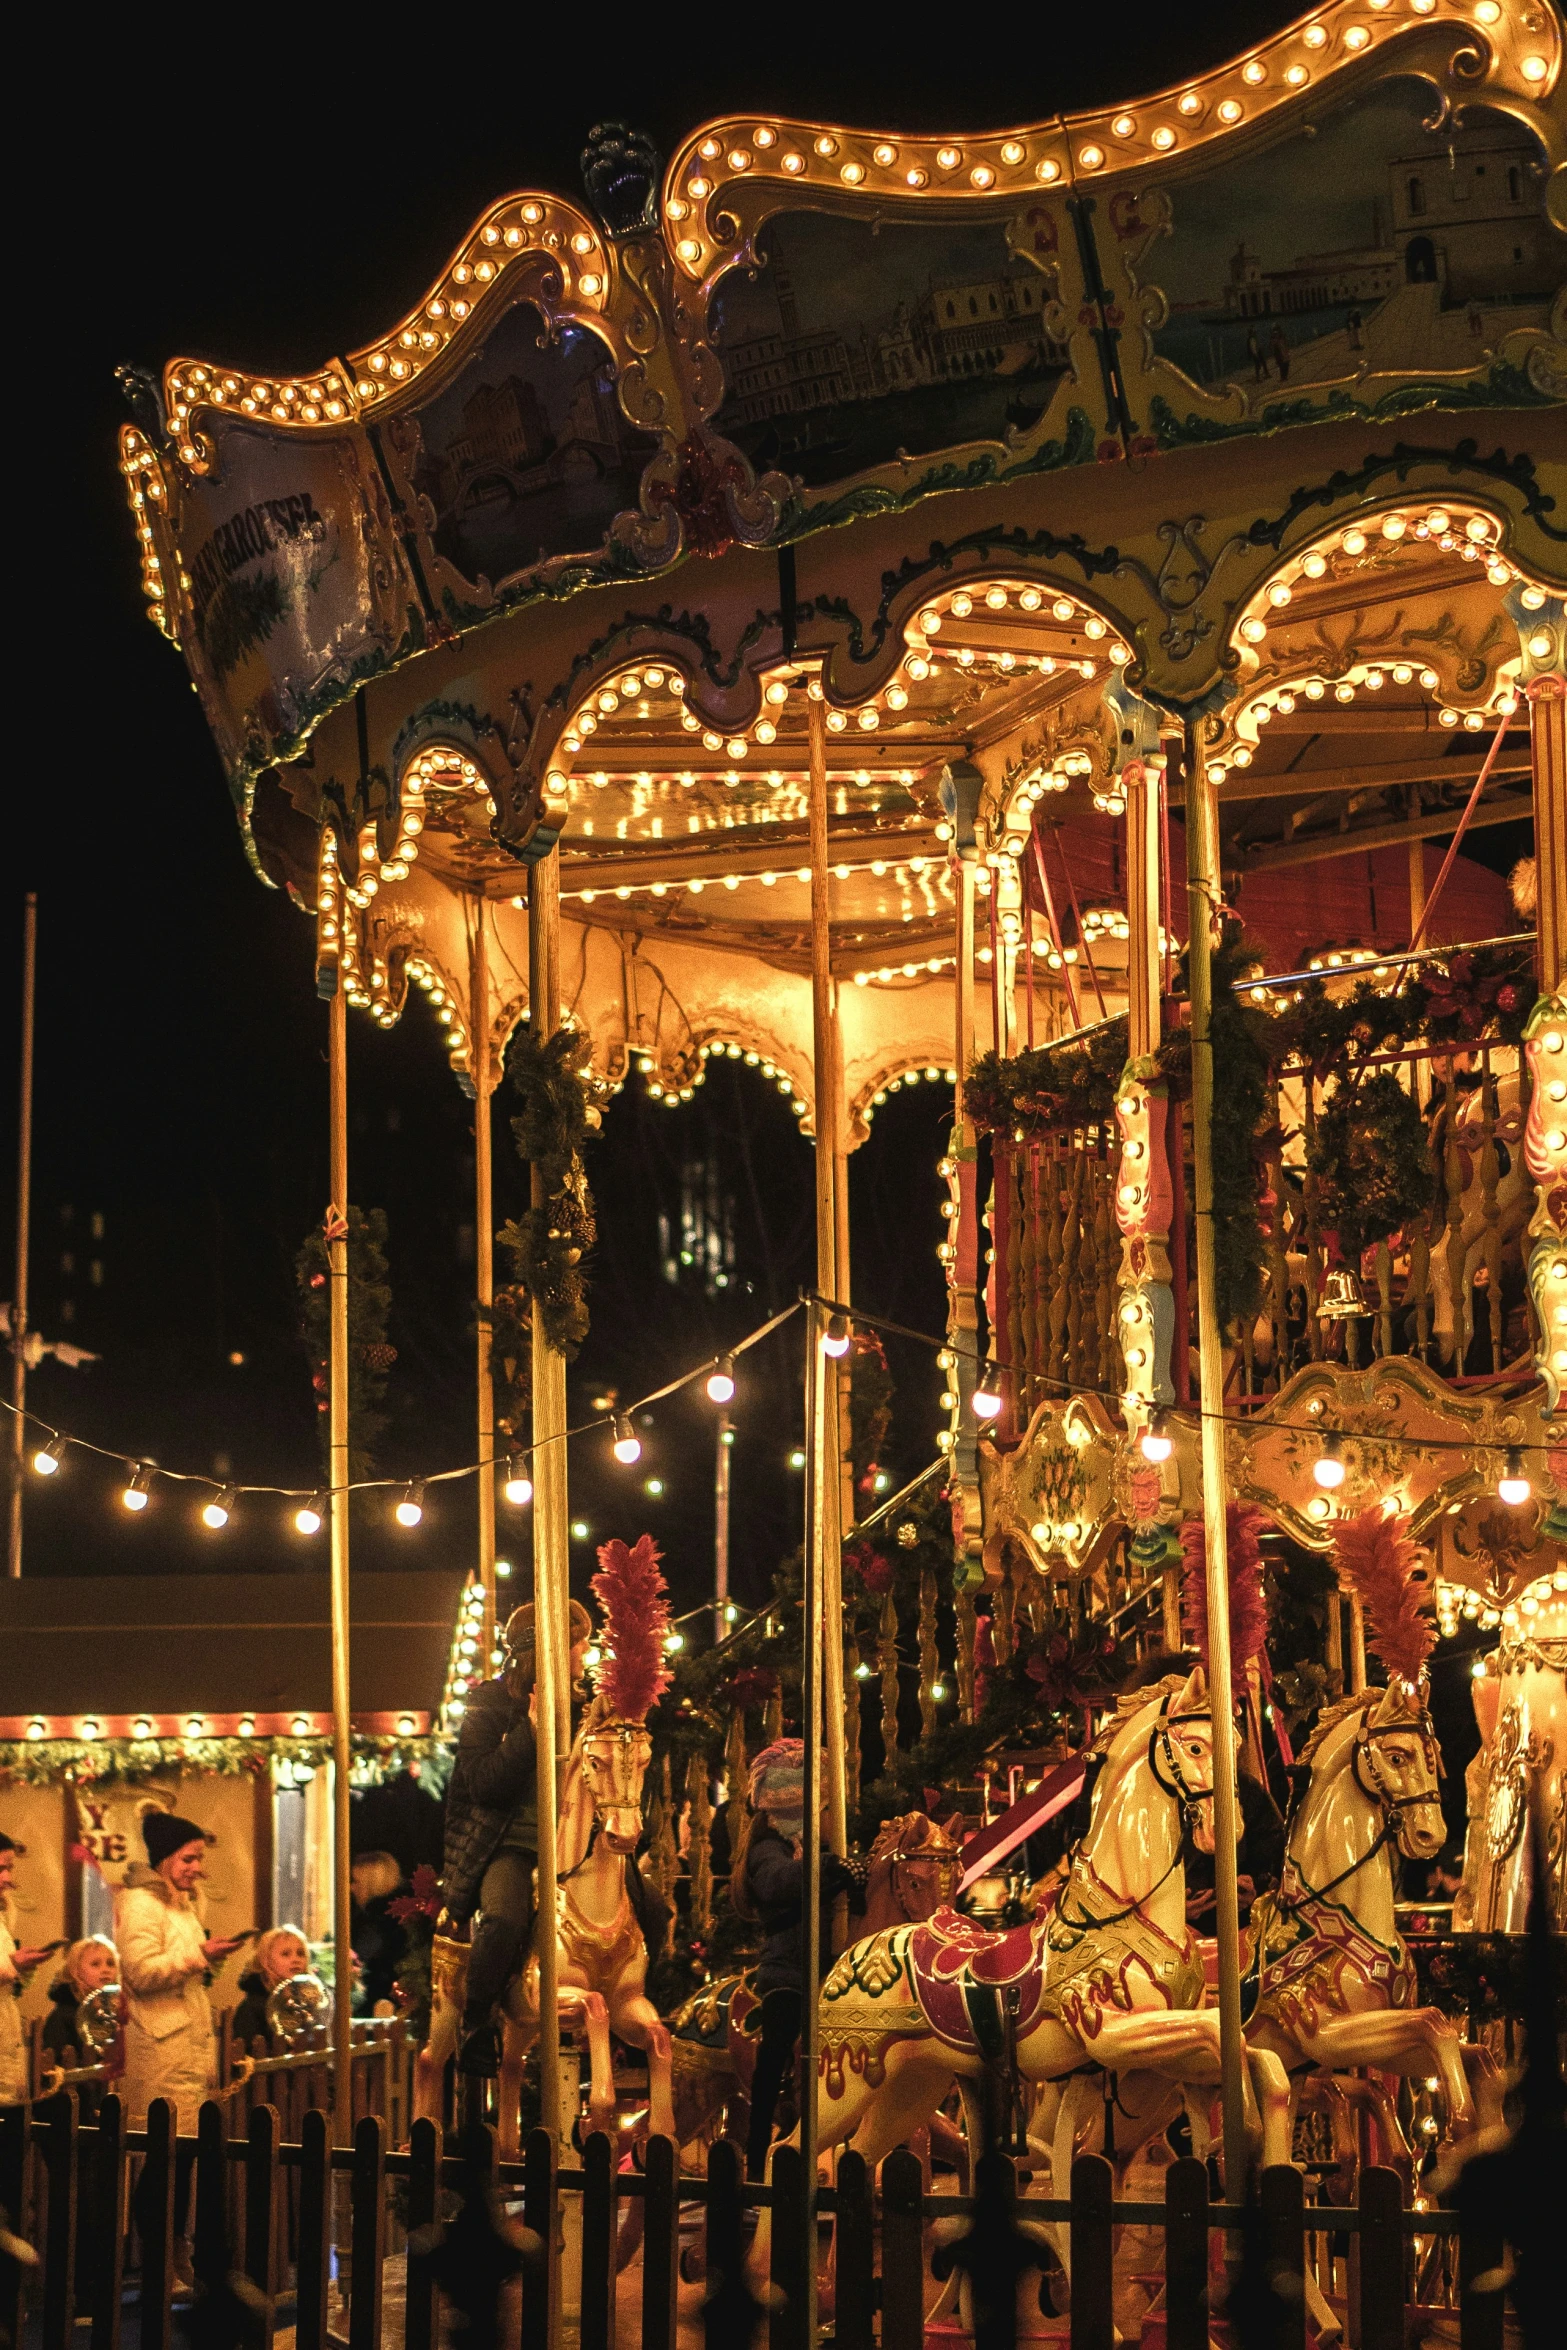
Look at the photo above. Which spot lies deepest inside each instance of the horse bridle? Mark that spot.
(1391, 1806)
(1187, 1800)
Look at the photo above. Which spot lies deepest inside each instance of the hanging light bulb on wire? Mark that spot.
(835, 1338)
(308, 1517)
(47, 1458)
(1513, 1485)
(1156, 1442)
(986, 1401)
(518, 1487)
(1328, 1468)
(220, 1508)
(721, 1380)
(411, 1508)
(138, 1478)
(628, 1445)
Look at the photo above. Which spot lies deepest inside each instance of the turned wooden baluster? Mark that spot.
(699, 1856)
(1420, 1249)
(966, 1625)
(930, 1659)
(1384, 1324)
(887, 1658)
(1015, 1345)
(1028, 1279)
(1490, 1177)
(772, 1720)
(735, 1773)
(851, 1725)
(663, 1859)
(1002, 1610)
(1278, 1269)
(1055, 1285)
(1073, 1264)
(1313, 1228)
(1453, 1177)
(1103, 1364)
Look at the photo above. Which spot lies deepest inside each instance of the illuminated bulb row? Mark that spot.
(698, 882)
(890, 971)
(672, 1095)
(931, 1074)
(466, 1667)
(1538, 1594)
(1287, 699)
(144, 484)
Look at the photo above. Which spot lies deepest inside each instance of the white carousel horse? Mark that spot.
(1334, 1986)
(1109, 1977)
(602, 1957)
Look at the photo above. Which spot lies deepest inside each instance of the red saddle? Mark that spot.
(961, 1972)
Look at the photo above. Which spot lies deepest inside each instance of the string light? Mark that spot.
(987, 1403)
(138, 1478)
(628, 1445)
(721, 1380)
(220, 1508)
(47, 1458)
(308, 1517)
(1156, 1443)
(1513, 1485)
(518, 1487)
(835, 1338)
(411, 1508)
(1328, 1469)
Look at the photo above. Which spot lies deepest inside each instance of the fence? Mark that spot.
(69, 2185)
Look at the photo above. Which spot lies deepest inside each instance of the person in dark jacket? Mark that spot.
(88, 1966)
(768, 1885)
(280, 1953)
(492, 1831)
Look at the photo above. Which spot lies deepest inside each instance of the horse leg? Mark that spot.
(1395, 2040)
(601, 2065)
(1271, 2084)
(638, 2021)
(430, 2064)
(517, 2037)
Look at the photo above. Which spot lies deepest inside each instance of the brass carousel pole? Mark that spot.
(826, 1065)
(337, 1431)
(24, 1195)
(1202, 897)
(550, 1612)
(484, 1265)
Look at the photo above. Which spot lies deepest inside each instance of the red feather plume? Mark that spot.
(1248, 1610)
(1381, 1567)
(634, 1597)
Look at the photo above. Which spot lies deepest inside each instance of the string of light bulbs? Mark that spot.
(141, 1475)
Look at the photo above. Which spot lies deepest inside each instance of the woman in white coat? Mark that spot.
(166, 1957)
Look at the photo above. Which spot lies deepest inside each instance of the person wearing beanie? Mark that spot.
(767, 1885)
(165, 1958)
(492, 1831)
(16, 1963)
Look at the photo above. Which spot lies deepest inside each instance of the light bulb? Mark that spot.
(1156, 1443)
(721, 1380)
(628, 1445)
(987, 1403)
(1329, 1469)
(518, 1487)
(835, 1338)
(219, 1509)
(307, 1518)
(1513, 1485)
(47, 1458)
(673, 1642)
(411, 1508)
(135, 1495)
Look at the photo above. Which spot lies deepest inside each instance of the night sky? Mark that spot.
(268, 216)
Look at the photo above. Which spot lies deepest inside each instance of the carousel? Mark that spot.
(1055, 615)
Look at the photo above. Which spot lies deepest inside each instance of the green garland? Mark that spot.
(369, 1355)
(511, 1362)
(1372, 1163)
(548, 1243)
(1047, 1086)
(1241, 1101)
(40, 1762)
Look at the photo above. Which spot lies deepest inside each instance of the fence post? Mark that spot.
(106, 2226)
(1283, 2219)
(424, 2206)
(1093, 2191)
(902, 2252)
(786, 2326)
(155, 2225)
(210, 2247)
(60, 2232)
(1480, 2313)
(1381, 2259)
(730, 2312)
(261, 2174)
(312, 2260)
(660, 2245)
(596, 2328)
(541, 2260)
(367, 2207)
(1186, 2255)
(15, 2187)
(856, 2298)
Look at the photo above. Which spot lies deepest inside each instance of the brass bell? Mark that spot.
(1341, 1296)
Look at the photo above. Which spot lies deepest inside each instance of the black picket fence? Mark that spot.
(263, 2237)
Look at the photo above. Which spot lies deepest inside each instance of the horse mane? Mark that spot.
(635, 1599)
(1133, 1701)
(1330, 1718)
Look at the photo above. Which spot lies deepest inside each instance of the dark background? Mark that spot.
(268, 211)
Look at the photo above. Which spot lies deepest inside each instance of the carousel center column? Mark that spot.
(551, 1609)
(337, 1268)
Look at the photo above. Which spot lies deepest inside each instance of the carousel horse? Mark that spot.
(1108, 1977)
(602, 1956)
(912, 1869)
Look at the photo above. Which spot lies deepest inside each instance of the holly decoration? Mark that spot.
(549, 1243)
(370, 1356)
(1371, 1161)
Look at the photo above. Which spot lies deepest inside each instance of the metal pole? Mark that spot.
(550, 1613)
(484, 1267)
(726, 1440)
(827, 1628)
(337, 1267)
(1202, 897)
(818, 1487)
(24, 1208)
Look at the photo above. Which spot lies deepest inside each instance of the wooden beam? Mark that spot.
(1378, 836)
(747, 849)
(1237, 790)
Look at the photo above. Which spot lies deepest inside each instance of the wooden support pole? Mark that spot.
(1202, 898)
(826, 1533)
(24, 1197)
(551, 1611)
(483, 1262)
(1548, 751)
(337, 1434)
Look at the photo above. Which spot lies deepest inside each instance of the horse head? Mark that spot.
(1176, 1717)
(614, 1754)
(1398, 1765)
(913, 1868)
